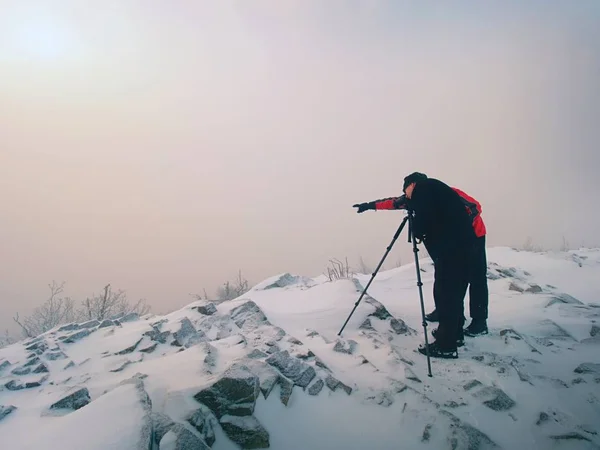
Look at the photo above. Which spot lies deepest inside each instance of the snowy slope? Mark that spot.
(268, 369)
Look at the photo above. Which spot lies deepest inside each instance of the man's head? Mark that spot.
(410, 181)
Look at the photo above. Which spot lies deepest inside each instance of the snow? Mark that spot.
(527, 393)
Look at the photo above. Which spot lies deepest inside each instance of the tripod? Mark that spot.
(411, 238)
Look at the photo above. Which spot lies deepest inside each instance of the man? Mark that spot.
(478, 285)
(445, 227)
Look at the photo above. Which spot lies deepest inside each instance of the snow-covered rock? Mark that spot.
(270, 370)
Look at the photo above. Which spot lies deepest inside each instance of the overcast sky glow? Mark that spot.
(162, 146)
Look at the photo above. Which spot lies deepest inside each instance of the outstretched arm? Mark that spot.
(390, 203)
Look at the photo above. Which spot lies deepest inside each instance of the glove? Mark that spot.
(362, 207)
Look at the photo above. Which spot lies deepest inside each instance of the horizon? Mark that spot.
(162, 149)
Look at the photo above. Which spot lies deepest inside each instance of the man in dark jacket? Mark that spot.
(478, 285)
(443, 224)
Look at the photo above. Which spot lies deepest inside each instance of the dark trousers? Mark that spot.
(477, 280)
(450, 287)
(478, 284)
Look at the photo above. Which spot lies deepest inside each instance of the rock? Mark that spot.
(235, 393)
(4, 365)
(207, 310)
(471, 384)
(578, 380)
(129, 349)
(426, 433)
(130, 317)
(187, 336)
(563, 299)
(348, 347)
(380, 312)
(298, 371)
(293, 340)
(286, 389)
(453, 405)
(410, 375)
(20, 371)
(32, 362)
(180, 438)
(121, 366)
(333, 384)
(283, 281)
(13, 386)
(78, 335)
(149, 349)
(42, 368)
(69, 327)
(515, 287)
(68, 366)
(573, 436)
(106, 323)
(38, 348)
(247, 432)
(205, 423)
(316, 387)
(367, 325)
(161, 424)
(249, 316)
(497, 399)
(90, 324)
(542, 419)
(534, 289)
(6, 410)
(256, 354)
(595, 331)
(54, 356)
(76, 400)
(464, 436)
(399, 326)
(157, 336)
(588, 368)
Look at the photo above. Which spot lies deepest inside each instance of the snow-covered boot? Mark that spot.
(477, 327)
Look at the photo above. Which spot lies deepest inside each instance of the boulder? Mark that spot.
(204, 421)
(249, 316)
(90, 324)
(130, 317)
(42, 368)
(496, 398)
(75, 400)
(588, 367)
(69, 327)
(106, 323)
(316, 387)
(130, 349)
(74, 337)
(6, 410)
(348, 347)
(247, 431)
(235, 393)
(180, 438)
(161, 425)
(4, 365)
(38, 348)
(157, 336)
(333, 384)
(187, 336)
(149, 349)
(286, 389)
(207, 310)
(298, 371)
(55, 355)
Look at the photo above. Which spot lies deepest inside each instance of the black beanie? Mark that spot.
(413, 178)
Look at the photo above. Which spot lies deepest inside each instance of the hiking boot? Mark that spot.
(460, 340)
(476, 328)
(432, 316)
(435, 351)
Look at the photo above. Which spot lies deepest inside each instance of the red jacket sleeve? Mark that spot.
(391, 203)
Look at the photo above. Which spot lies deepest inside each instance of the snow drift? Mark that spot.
(267, 370)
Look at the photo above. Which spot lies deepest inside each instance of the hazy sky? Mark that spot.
(161, 146)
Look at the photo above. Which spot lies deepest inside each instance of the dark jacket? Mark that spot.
(441, 220)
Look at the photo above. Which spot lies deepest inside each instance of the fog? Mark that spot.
(162, 146)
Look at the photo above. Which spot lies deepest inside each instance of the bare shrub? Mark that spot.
(230, 290)
(338, 271)
(54, 311)
(110, 303)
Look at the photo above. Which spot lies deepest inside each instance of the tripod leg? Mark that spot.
(375, 272)
(420, 285)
